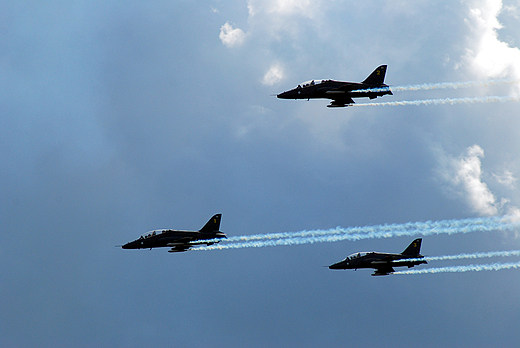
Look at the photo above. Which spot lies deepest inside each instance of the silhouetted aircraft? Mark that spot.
(341, 92)
(179, 240)
(383, 262)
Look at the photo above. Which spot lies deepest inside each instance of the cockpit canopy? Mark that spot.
(152, 233)
(312, 83)
(356, 256)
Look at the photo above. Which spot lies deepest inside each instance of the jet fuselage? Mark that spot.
(179, 240)
(372, 259)
(341, 92)
(331, 89)
(383, 263)
(167, 238)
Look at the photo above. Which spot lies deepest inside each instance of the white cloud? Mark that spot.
(274, 75)
(230, 36)
(506, 178)
(279, 19)
(514, 214)
(305, 8)
(512, 10)
(486, 54)
(464, 174)
(468, 174)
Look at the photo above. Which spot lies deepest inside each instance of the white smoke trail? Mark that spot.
(479, 255)
(451, 101)
(368, 232)
(443, 226)
(466, 268)
(455, 85)
(443, 85)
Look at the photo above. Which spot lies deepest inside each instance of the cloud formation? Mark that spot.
(487, 54)
(468, 174)
(108, 131)
(274, 75)
(304, 8)
(464, 175)
(506, 178)
(230, 36)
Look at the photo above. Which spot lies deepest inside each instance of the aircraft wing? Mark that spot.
(339, 102)
(183, 244)
(180, 242)
(385, 270)
(179, 248)
(347, 100)
(347, 87)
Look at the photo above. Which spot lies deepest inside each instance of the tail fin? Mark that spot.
(212, 225)
(377, 77)
(414, 248)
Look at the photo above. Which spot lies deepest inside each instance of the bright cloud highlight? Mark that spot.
(230, 36)
(488, 55)
(274, 75)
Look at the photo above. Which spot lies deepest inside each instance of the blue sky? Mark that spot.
(122, 117)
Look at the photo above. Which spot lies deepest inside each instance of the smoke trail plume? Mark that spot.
(368, 232)
(455, 85)
(443, 85)
(461, 269)
(479, 255)
(442, 226)
(451, 101)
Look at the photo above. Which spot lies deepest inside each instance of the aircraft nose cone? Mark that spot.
(287, 95)
(339, 265)
(335, 266)
(131, 245)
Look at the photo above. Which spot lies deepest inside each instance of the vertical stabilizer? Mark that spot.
(414, 248)
(212, 225)
(377, 77)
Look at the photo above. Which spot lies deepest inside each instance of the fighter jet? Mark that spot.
(383, 262)
(341, 92)
(179, 240)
